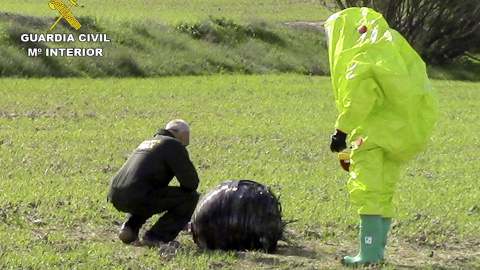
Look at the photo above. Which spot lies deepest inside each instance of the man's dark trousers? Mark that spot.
(178, 204)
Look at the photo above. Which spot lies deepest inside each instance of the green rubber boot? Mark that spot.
(386, 222)
(370, 242)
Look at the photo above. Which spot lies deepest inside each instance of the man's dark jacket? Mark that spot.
(151, 166)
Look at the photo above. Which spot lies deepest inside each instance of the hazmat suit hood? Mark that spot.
(380, 84)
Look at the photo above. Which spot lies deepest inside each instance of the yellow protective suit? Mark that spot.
(385, 102)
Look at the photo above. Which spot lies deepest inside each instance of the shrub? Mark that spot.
(440, 30)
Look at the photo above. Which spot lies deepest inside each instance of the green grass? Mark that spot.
(173, 38)
(148, 49)
(174, 11)
(62, 140)
(463, 68)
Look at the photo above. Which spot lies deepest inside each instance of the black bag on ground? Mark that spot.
(238, 215)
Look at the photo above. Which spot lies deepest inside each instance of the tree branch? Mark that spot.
(467, 54)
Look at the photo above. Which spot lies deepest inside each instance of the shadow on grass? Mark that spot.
(226, 31)
(297, 251)
(462, 69)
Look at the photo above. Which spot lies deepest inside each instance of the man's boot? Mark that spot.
(370, 242)
(386, 222)
(127, 234)
(130, 228)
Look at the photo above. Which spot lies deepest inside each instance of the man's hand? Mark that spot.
(339, 141)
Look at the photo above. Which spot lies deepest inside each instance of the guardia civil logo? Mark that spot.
(65, 13)
(70, 44)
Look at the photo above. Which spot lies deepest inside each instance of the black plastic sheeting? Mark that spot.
(238, 215)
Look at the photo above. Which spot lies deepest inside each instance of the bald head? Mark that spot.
(180, 129)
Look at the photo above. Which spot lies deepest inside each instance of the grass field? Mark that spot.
(146, 40)
(175, 38)
(62, 140)
(149, 49)
(174, 11)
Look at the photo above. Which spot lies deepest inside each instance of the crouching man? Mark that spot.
(141, 186)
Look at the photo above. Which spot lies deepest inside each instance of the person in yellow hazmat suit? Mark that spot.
(387, 109)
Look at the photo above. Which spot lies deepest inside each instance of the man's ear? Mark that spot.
(185, 138)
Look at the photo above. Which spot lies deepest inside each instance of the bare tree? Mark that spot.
(440, 30)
